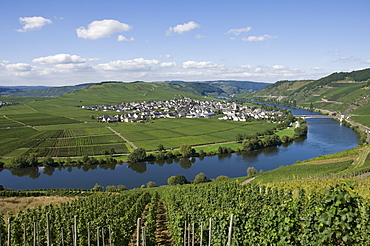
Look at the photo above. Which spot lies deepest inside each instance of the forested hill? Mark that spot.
(39, 91)
(231, 87)
(343, 92)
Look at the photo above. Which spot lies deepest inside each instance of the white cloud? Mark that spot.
(62, 59)
(194, 64)
(167, 64)
(135, 64)
(19, 67)
(199, 36)
(316, 68)
(168, 56)
(102, 29)
(123, 38)
(368, 61)
(239, 31)
(32, 23)
(180, 29)
(348, 59)
(257, 38)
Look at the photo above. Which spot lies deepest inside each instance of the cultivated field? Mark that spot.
(173, 133)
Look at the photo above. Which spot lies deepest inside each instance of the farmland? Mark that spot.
(59, 127)
(74, 140)
(173, 133)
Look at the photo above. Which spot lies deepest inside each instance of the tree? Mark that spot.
(111, 188)
(301, 130)
(105, 152)
(222, 177)
(200, 178)
(171, 180)
(161, 147)
(251, 171)
(48, 161)
(186, 150)
(137, 155)
(150, 184)
(121, 187)
(97, 187)
(181, 179)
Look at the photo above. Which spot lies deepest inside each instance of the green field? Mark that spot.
(173, 133)
(60, 127)
(58, 142)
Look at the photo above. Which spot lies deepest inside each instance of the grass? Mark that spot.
(364, 120)
(15, 204)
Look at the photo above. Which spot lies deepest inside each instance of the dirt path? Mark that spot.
(161, 233)
(248, 180)
(119, 135)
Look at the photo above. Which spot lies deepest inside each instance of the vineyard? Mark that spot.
(59, 143)
(216, 213)
(173, 133)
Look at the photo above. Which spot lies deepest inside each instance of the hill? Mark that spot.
(230, 87)
(342, 92)
(40, 91)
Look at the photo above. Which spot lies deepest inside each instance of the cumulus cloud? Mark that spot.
(19, 67)
(194, 64)
(180, 29)
(62, 59)
(257, 38)
(239, 31)
(167, 64)
(33, 23)
(102, 29)
(135, 64)
(123, 38)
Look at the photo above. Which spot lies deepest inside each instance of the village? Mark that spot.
(183, 108)
(2, 103)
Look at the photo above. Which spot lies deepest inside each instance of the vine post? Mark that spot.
(230, 230)
(138, 231)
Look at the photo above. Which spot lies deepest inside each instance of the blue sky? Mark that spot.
(55, 42)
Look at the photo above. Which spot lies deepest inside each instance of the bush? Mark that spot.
(251, 171)
(222, 177)
(200, 178)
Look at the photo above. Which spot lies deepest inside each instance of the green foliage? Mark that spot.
(222, 177)
(97, 187)
(137, 155)
(175, 180)
(200, 178)
(25, 161)
(150, 184)
(161, 147)
(251, 171)
(186, 150)
(48, 162)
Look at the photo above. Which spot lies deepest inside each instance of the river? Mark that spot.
(324, 136)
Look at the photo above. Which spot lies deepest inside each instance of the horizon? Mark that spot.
(69, 43)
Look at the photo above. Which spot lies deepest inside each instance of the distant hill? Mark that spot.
(117, 92)
(231, 87)
(40, 91)
(343, 92)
